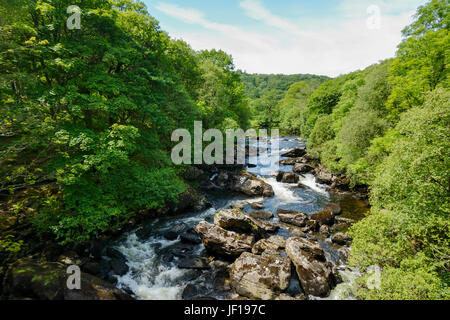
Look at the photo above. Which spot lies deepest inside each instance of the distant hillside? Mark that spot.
(259, 84)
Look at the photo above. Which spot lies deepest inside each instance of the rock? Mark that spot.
(194, 263)
(344, 253)
(224, 243)
(268, 227)
(302, 168)
(260, 277)
(322, 176)
(323, 217)
(286, 297)
(28, 279)
(190, 236)
(314, 272)
(118, 261)
(237, 221)
(246, 183)
(290, 177)
(292, 161)
(311, 226)
(334, 208)
(286, 177)
(257, 205)
(346, 221)
(175, 231)
(295, 153)
(274, 243)
(190, 199)
(341, 238)
(261, 214)
(295, 218)
(92, 267)
(325, 230)
(193, 173)
(339, 227)
(239, 205)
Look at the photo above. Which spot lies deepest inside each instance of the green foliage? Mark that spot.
(93, 109)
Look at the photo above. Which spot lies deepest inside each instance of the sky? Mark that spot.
(324, 37)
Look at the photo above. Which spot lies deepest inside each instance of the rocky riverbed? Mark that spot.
(267, 230)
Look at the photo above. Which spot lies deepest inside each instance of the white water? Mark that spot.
(282, 191)
(310, 181)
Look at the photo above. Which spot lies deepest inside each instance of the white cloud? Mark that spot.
(345, 46)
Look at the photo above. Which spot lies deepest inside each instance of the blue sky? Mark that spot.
(328, 37)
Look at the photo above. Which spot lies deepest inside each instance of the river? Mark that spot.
(154, 262)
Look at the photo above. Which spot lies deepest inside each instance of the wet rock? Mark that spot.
(260, 277)
(257, 205)
(194, 263)
(325, 230)
(322, 176)
(273, 243)
(261, 215)
(240, 205)
(295, 218)
(92, 267)
(175, 231)
(193, 173)
(286, 177)
(295, 153)
(314, 272)
(290, 177)
(237, 221)
(301, 168)
(224, 243)
(190, 199)
(341, 238)
(190, 237)
(323, 217)
(28, 279)
(334, 208)
(344, 253)
(118, 261)
(246, 183)
(292, 161)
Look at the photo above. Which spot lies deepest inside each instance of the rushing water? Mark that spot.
(153, 260)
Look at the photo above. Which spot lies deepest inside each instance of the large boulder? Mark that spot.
(301, 168)
(118, 261)
(294, 153)
(323, 217)
(29, 279)
(273, 244)
(294, 218)
(237, 221)
(314, 272)
(260, 277)
(244, 182)
(223, 243)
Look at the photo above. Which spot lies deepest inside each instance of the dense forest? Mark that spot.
(266, 90)
(87, 115)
